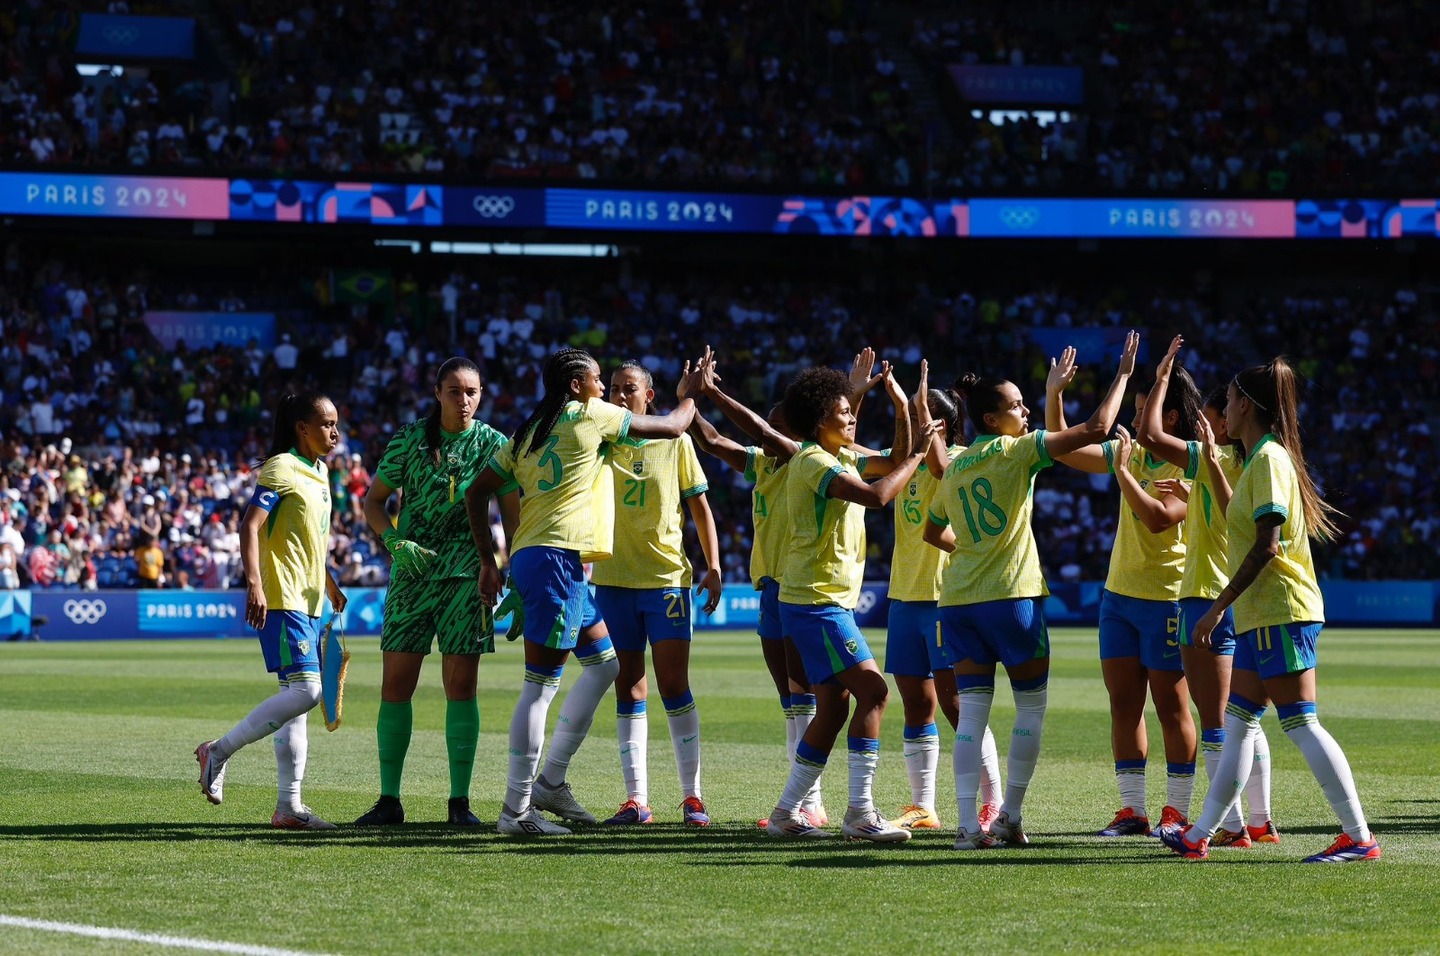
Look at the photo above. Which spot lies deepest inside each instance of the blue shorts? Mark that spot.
(1222, 639)
(638, 617)
(290, 642)
(913, 646)
(553, 591)
(590, 616)
(827, 637)
(1136, 627)
(1010, 632)
(769, 627)
(1278, 650)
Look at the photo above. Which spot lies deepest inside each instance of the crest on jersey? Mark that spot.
(303, 646)
(453, 460)
(639, 466)
(852, 646)
(914, 489)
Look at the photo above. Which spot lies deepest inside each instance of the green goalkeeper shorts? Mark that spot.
(417, 612)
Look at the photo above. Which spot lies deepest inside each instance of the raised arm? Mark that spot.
(879, 493)
(1061, 443)
(877, 466)
(751, 423)
(1219, 481)
(1152, 435)
(709, 440)
(673, 425)
(1156, 514)
(861, 377)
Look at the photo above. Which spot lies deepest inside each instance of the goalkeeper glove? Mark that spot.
(512, 605)
(409, 561)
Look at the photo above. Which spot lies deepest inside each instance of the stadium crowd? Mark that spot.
(122, 464)
(694, 92)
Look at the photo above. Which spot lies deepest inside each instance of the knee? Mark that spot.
(305, 694)
(607, 670)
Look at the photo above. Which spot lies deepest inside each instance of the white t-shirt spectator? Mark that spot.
(286, 354)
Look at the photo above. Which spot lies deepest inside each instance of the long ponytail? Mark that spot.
(1272, 389)
(560, 370)
(294, 408)
(432, 421)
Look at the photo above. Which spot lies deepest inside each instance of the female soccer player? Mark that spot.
(1213, 464)
(820, 586)
(284, 541)
(551, 465)
(643, 593)
(1279, 613)
(1139, 610)
(432, 462)
(912, 653)
(992, 601)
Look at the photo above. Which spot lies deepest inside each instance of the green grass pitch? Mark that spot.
(102, 824)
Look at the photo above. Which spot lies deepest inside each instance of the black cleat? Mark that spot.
(460, 815)
(387, 812)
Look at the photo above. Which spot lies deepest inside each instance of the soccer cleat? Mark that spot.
(304, 820)
(1175, 839)
(561, 802)
(793, 825)
(630, 812)
(979, 840)
(387, 812)
(1170, 817)
(1235, 839)
(1264, 834)
(1007, 831)
(693, 811)
(988, 813)
(460, 815)
(814, 811)
(529, 823)
(212, 772)
(1127, 823)
(870, 825)
(917, 818)
(1346, 850)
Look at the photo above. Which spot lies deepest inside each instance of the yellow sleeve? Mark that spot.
(612, 421)
(689, 471)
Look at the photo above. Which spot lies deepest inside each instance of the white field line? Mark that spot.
(151, 939)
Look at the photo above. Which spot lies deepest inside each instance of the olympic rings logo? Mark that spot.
(1019, 217)
(122, 36)
(84, 611)
(493, 207)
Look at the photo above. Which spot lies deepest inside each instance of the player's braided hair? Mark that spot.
(432, 421)
(635, 366)
(809, 398)
(560, 370)
(294, 408)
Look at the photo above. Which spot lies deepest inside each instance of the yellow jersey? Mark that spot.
(1142, 564)
(917, 569)
(652, 479)
(1205, 526)
(295, 538)
(767, 552)
(557, 481)
(988, 494)
(825, 549)
(1286, 592)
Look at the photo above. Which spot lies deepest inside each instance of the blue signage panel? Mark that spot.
(1133, 218)
(209, 329)
(1020, 85)
(109, 37)
(14, 615)
(496, 208)
(86, 615)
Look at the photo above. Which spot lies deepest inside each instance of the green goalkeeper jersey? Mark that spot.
(432, 504)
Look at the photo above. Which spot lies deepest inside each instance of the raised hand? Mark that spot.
(693, 376)
(1127, 357)
(1122, 446)
(1207, 437)
(861, 380)
(921, 439)
(921, 398)
(1062, 371)
(892, 385)
(1167, 363)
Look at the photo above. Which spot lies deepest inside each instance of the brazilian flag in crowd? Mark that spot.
(362, 286)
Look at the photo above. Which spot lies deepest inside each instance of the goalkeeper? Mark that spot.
(432, 593)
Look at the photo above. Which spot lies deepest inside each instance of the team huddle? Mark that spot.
(1211, 592)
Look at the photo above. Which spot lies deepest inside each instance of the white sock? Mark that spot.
(790, 737)
(989, 770)
(632, 727)
(1130, 778)
(294, 698)
(684, 722)
(1241, 725)
(805, 770)
(1024, 747)
(1257, 788)
(803, 708)
(922, 757)
(292, 746)
(864, 756)
(1328, 764)
(1179, 786)
(527, 734)
(1212, 744)
(578, 712)
(975, 705)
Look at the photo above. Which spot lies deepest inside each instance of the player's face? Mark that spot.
(459, 395)
(589, 385)
(1012, 417)
(320, 433)
(837, 428)
(1140, 399)
(1216, 418)
(1232, 406)
(629, 390)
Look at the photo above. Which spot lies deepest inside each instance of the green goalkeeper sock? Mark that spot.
(462, 732)
(392, 732)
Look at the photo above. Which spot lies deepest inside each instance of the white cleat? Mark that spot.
(212, 772)
(529, 823)
(561, 802)
(870, 825)
(304, 820)
(794, 826)
(979, 840)
(1006, 831)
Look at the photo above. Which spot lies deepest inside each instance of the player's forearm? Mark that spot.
(1219, 483)
(1265, 548)
(477, 512)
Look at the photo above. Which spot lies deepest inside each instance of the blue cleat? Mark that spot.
(630, 813)
(1175, 839)
(1127, 823)
(1346, 850)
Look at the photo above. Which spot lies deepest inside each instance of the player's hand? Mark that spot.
(923, 435)
(693, 378)
(337, 597)
(921, 399)
(1122, 445)
(892, 386)
(1200, 635)
(1127, 357)
(409, 561)
(512, 607)
(861, 367)
(1062, 371)
(255, 606)
(1173, 486)
(711, 584)
(1162, 371)
(490, 583)
(1207, 439)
